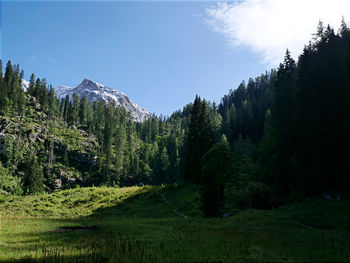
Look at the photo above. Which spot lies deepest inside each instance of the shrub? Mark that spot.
(8, 183)
(254, 195)
(259, 195)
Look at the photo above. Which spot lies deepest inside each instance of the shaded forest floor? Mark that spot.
(136, 225)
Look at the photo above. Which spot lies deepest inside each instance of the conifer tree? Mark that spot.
(65, 157)
(52, 103)
(83, 110)
(216, 168)
(66, 108)
(199, 140)
(76, 107)
(21, 77)
(33, 179)
(8, 76)
(1, 74)
(37, 88)
(43, 95)
(31, 85)
(49, 176)
(283, 120)
(322, 113)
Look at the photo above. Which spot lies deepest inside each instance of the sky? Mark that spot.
(160, 53)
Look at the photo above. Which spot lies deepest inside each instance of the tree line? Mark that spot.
(284, 135)
(281, 136)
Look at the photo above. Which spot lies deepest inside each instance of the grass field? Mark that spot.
(135, 225)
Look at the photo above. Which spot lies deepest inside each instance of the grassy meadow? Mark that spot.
(135, 225)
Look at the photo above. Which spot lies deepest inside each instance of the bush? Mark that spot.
(254, 195)
(259, 195)
(8, 183)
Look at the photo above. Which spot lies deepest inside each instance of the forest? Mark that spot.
(279, 137)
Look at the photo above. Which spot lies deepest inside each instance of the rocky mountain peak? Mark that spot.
(94, 91)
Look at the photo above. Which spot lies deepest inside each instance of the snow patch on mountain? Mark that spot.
(94, 91)
(25, 85)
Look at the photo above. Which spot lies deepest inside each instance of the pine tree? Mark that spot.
(8, 76)
(66, 109)
(37, 88)
(216, 168)
(108, 132)
(65, 157)
(70, 112)
(4, 102)
(267, 153)
(83, 110)
(200, 138)
(31, 87)
(43, 96)
(239, 95)
(76, 107)
(21, 77)
(33, 179)
(49, 176)
(52, 103)
(322, 113)
(1, 74)
(283, 121)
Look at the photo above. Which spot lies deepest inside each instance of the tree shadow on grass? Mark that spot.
(118, 233)
(83, 244)
(144, 205)
(150, 204)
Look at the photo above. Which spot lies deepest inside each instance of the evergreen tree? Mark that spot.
(322, 155)
(267, 153)
(65, 157)
(21, 77)
(1, 74)
(199, 140)
(216, 168)
(75, 109)
(8, 76)
(49, 177)
(52, 103)
(37, 88)
(283, 120)
(43, 95)
(33, 179)
(31, 87)
(66, 109)
(108, 176)
(83, 110)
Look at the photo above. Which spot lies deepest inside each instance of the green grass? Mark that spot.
(135, 225)
(70, 203)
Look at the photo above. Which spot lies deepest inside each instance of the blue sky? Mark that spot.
(161, 54)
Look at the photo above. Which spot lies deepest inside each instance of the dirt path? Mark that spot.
(175, 207)
(307, 226)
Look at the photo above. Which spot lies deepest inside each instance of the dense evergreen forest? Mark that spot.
(282, 136)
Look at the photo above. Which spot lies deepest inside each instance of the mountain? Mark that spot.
(25, 85)
(96, 92)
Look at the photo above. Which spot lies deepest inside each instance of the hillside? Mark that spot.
(48, 144)
(50, 139)
(94, 201)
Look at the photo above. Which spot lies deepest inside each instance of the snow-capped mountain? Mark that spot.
(95, 92)
(25, 85)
